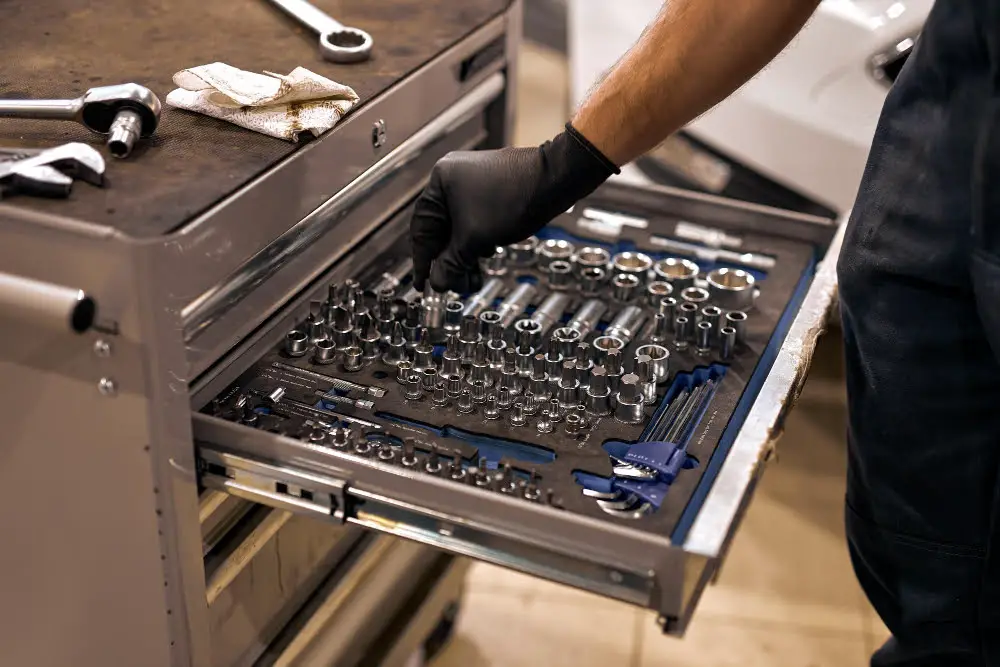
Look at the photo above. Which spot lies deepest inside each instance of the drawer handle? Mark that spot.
(47, 305)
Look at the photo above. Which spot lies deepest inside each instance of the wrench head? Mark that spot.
(38, 180)
(346, 45)
(61, 165)
(102, 104)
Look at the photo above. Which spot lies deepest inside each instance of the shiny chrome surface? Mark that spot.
(42, 304)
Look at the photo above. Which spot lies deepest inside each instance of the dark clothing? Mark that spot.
(920, 292)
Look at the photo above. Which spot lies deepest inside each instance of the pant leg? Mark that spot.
(923, 378)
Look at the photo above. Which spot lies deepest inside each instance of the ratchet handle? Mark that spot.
(41, 109)
(303, 11)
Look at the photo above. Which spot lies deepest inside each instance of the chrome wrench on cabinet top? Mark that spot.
(337, 43)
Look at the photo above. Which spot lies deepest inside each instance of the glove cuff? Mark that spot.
(594, 152)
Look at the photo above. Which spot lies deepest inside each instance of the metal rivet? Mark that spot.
(107, 387)
(102, 348)
(378, 133)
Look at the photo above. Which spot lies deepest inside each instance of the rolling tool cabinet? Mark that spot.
(143, 520)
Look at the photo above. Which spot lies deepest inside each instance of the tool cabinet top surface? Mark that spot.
(60, 48)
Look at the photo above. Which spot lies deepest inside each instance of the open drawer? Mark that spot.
(637, 505)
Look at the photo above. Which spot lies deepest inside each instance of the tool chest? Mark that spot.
(451, 447)
(238, 444)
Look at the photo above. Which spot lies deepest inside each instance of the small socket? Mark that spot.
(560, 274)
(296, 343)
(325, 352)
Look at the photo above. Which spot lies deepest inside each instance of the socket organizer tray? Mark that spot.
(600, 375)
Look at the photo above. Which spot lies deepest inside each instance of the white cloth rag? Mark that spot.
(276, 105)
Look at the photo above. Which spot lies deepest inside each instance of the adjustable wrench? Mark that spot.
(337, 43)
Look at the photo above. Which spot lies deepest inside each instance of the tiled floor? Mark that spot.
(786, 597)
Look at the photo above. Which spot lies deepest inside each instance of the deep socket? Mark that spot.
(688, 310)
(411, 324)
(423, 353)
(661, 330)
(712, 315)
(668, 308)
(495, 352)
(587, 316)
(628, 408)
(523, 362)
(454, 385)
(568, 386)
(479, 392)
(727, 343)
(682, 333)
(550, 311)
(496, 264)
(530, 403)
(484, 298)
(468, 336)
(453, 316)
(560, 275)
(432, 309)
(647, 378)
(296, 343)
(517, 416)
(325, 352)
(556, 412)
(624, 287)
(489, 325)
(384, 318)
(429, 377)
(527, 333)
(492, 410)
(538, 384)
(680, 273)
(737, 319)
(465, 404)
(553, 363)
(592, 280)
(515, 303)
(703, 339)
(505, 400)
(597, 398)
(440, 397)
(626, 324)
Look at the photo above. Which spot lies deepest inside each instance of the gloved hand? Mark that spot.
(478, 200)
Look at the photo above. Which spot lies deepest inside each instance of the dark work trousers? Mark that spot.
(920, 292)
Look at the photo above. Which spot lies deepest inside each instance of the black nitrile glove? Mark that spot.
(478, 200)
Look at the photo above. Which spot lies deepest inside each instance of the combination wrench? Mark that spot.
(337, 43)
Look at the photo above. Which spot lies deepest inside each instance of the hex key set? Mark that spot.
(592, 376)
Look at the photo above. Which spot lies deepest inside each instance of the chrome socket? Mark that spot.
(353, 359)
(468, 336)
(343, 328)
(727, 343)
(583, 368)
(517, 416)
(492, 410)
(432, 309)
(453, 316)
(511, 381)
(506, 399)
(560, 274)
(403, 371)
(647, 379)
(587, 317)
(522, 253)
(296, 343)
(658, 290)
(524, 361)
(661, 329)
(659, 356)
(440, 396)
(564, 341)
(423, 354)
(530, 403)
(428, 379)
(629, 405)
(624, 287)
(556, 413)
(484, 298)
(695, 295)
(613, 366)
(544, 423)
(592, 280)
(548, 313)
(568, 386)
(731, 289)
(515, 303)
(465, 404)
(479, 370)
(552, 250)
(411, 324)
(496, 264)
(553, 362)
(479, 392)
(712, 315)
(627, 324)
(688, 310)
(668, 308)
(489, 325)
(637, 264)
(368, 337)
(316, 326)
(683, 329)
(495, 352)
(538, 384)
(325, 352)
(414, 388)
(592, 257)
(527, 333)
(703, 339)
(597, 398)
(451, 364)
(737, 319)
(680, 273)
(454, 386)
(604, 344)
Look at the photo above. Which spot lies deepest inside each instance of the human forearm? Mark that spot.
(694, 54)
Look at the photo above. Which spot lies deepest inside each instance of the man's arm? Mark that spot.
(694, 54)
